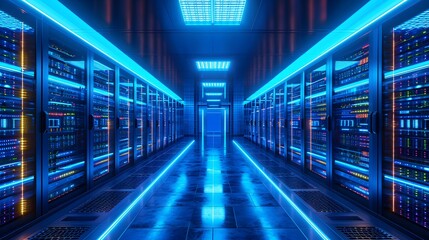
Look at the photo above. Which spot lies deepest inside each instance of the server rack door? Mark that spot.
(159, 120)
(170, 120)
(264, 117)
(104, 120)
(151, 120)
(293, 115)
(125, 133)
(258, 121)
(17, 117)
(66, 114)
(165, 133)
(406, 121)
(351, 141)
(270, 121)
(316, 130)
(140, 116)
(280, 112)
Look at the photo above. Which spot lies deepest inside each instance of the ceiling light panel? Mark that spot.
(213, 84)
(214, 94)
(213, 65)
(212, 12)
(228, 12)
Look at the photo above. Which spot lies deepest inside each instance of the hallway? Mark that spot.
(212, 194)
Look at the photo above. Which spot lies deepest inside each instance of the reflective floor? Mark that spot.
(212, 193)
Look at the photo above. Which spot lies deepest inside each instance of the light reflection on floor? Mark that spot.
(212, 194)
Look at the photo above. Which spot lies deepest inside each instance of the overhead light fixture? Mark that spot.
(213, 84)
(419, 21)
(213, 65)
(214, 94)
(212, 12)
(7, 21)
(213, 100)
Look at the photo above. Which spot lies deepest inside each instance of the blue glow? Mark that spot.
(295, 149)
(316, 155)
(103, 156)
(63, 17)
(212, 12)
(408, 69)
(349, 166)
(369, 14)
(419, 21)
(213, 84)
(60, 103)
(61, 81)
(142, 194)
(316, 95)
(214, 94)
(16, 183)
(340, 65)
(7, 21)
(213, 65)
(102, 92)
(213, 100)
(126, 99)
(294, 101)
(291, 203)
(407, 183)
(10, 67)
(351, 85)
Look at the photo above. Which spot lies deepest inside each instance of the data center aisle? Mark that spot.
(212, 194)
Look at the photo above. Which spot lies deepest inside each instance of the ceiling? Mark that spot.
(272, 34)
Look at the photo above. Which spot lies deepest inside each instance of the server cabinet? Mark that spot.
(316, 129)
(140, 119)
(159, 109)
(17, 117)
(64, 119)
(164, 129)
(151, 118)
(270, 120)
(406, 120)
(351, 102)
(174, 120)
(125, 116)
(280, 113)
(256, 121)
(293, 115)
(264, 121)
(170, 121)
(104, 124)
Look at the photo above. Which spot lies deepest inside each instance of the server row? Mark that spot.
(359, 120)
(69, 117)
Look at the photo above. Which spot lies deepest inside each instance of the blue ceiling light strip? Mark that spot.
(366, 16)
(66, 19)
(139, 198)
(214, 94)
(213, 65)
(277, 188)
(212, 12)
(213, 100)
(213, 84)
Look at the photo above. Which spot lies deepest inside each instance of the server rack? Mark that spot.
(63, 119)
(67, 117)
(270, 121)
(280, 113)
(151, 118)
(293, 114)
(17, 117)
(125, 116)
(317, 120)
(405, 92)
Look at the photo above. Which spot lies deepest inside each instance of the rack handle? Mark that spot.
(44, 121)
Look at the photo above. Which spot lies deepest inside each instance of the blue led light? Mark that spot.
(142, 194)
(212, 12)
(352, 85)
(102, 92)
(213, 65)
(61, 81)
(66, 19)
(408, 69)
(419, 21)
(213, 84)
(366, 16)
(291, 203)
(407, 183)
(349, 166)
(213, 100)
(16, 183)
(214, 94)
(7, 21)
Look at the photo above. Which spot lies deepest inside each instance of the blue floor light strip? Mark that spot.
(134, 203)
(297, 209)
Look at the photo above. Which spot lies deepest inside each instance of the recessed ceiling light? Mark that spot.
(213, 65)
(212, 12)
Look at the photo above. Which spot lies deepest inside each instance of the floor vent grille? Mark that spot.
(320, 202)
(66, 233)
(364, 233)
(104, 202)
(131, 182)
